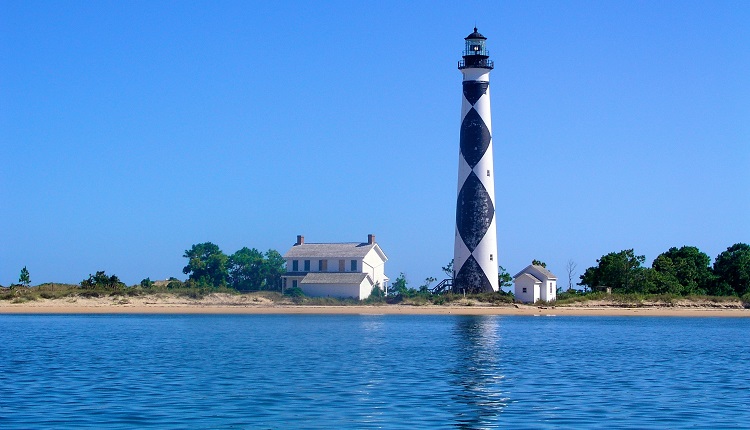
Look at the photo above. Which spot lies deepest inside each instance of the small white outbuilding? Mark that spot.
(535, 283)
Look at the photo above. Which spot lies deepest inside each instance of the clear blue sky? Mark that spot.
(131, 130)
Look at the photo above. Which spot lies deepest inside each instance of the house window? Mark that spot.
(550, 287)
(488, 173)
(324, 265)
(341, 265)
(307, 265)
(295, 265)
(354, 265)
(320, 265)
(490, 257)
(294, 283)
(524, 288)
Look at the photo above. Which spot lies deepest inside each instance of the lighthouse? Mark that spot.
(475, 252)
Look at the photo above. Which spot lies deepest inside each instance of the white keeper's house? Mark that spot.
(535, 283)
(342, 270)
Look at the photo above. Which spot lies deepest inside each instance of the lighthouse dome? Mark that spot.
(475, 35)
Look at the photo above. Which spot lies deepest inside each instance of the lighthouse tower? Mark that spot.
(475, 252)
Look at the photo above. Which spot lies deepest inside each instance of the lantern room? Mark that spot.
(476, 53)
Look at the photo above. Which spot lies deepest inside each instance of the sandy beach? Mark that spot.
(225, 304)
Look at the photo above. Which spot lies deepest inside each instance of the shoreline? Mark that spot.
(55, 307)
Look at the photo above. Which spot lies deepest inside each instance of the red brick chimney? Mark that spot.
(370, 239)
(300, 240)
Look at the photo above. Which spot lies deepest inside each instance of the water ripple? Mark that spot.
(371, 371)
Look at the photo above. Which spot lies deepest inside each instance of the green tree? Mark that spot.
(651, 281)
(503, 278)
(101, 280)
(274, 267)
(732, 271)
(246, 269)
(425, 287)
(207, 265)
(376, 294)
(448, 269)
(620, 270)
(684, 270)
(538, 263)
(399, 287)
(24, 278)
(147, 283)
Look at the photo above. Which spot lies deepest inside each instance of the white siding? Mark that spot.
(365, 288)
(341, 291)
(374, 266)
(532, 293)
(549, 290)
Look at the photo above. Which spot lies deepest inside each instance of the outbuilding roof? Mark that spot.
(526, 275)
(333, 278)
(541, 269)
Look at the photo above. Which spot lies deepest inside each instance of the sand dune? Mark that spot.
(248, 304)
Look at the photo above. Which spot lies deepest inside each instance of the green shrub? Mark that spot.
(294, 292)
(274, 296)
(667, 298)
(495, 298)
(394, 300)
(133, 292)
(47, 295)
(746, 300)
(174, 284)
(418, 300)
(330, 301)
(377, 295)
(89, 294)
(192, 293)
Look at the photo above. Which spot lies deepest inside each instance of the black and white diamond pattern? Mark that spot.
(475, 210)
(475, 137)
(473, 90)
(472, 278)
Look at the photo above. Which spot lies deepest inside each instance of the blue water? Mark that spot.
(370, 371)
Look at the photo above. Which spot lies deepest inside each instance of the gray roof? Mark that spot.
(541, 269)
(322, 250)
(333, 278)
(530, 276)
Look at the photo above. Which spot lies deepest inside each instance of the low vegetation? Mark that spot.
(679, 277)
(600, 298)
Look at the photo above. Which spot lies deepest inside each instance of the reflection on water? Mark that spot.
(478, 372)
(371, 371)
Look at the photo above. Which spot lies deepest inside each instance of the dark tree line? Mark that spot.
(245, 270)
(679, 271)
(208, 267)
